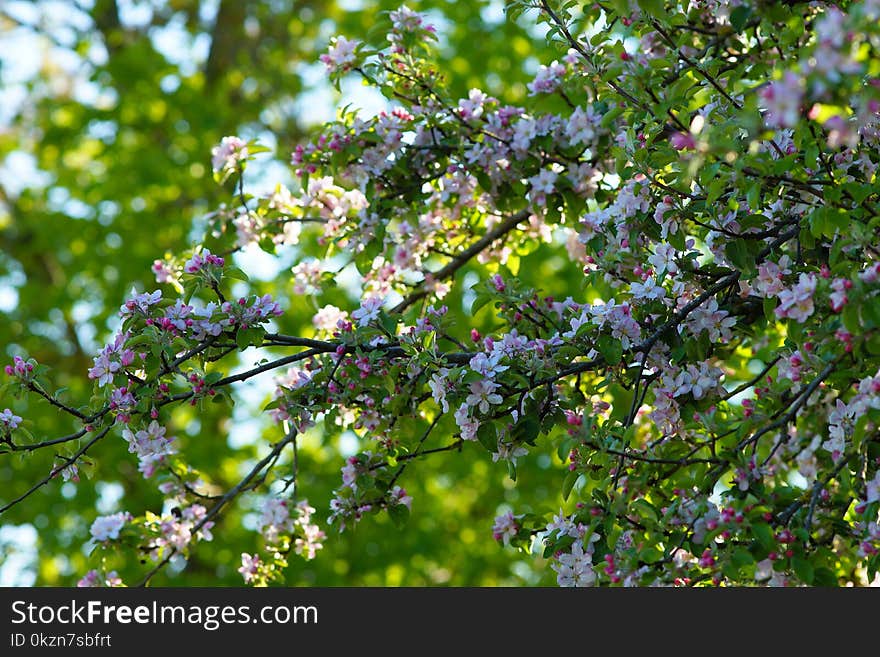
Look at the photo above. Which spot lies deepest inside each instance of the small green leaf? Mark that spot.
(824, 577)
(236, 273)
(611, 349)
(569, 482)
(737, 251)
(479, 301)
(244, 338)
(388, 322)
(645, 509)
(741, 557)
(803, 569)
(738, 19)
(527, 430)
(764, 535)
(871, 314)
(399, 514)
(770, 309)
(851, 321)
(213, 377)
(487, 436)
(654, 8)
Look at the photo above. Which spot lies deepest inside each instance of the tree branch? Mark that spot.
(67, 461)
(462, 258)
(234, 492)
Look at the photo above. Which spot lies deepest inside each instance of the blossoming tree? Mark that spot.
(699, 358)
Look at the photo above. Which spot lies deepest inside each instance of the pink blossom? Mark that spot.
(472, 106)
(369, 310)
(769, 282)
(483, 395)
(328, 318)
(341, 55)
(250, 566)
(582, 126)
(505, 527)
(782, 101)
(9, 420)
(140, 304)
(107, 528)
(162, 271)
(682, 141)
(20, 368)
(575, 568)
(547, 80)
(838, 296)
(201, 260)
(466, 424)
(797, 303)
(398, 495)
(227, 155)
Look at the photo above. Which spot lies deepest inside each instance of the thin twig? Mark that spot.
(230, 495)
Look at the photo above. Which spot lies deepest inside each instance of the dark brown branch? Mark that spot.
(57, 404)
(230, 495)
(800, 400)
(56, 470)
(462, 258)
(635, 456)
(749, 384)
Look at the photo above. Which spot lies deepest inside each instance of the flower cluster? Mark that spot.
(9, 420)
(107, 528)
(112, 359)
(150, 445)
(175, 531)
(228, 154)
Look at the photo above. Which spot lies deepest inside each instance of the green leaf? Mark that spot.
(480, 300)
(511, 470)
(610, 348)
(764, 535)
(399, 514)
(213, 377)
(650, 555)
(738, 252)
(678, 240)
(621, 7)
(138, 340)
(527, 430)
(769, 305)
(738, 19)
(236, 273)
(388, 322)
(645, 509)
(871, 314)
(730, 571)
(569, 482)
(483, 178)
(741, 557)
(654, 8)
(826, 221)
(851, 321)
(487, 436)
(244, 338)
(824, 577)
(629, 436)
(803, 569)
